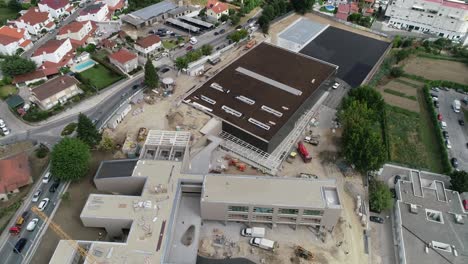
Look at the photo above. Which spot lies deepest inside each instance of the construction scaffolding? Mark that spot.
(165, 145)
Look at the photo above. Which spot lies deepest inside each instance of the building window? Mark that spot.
(263, 210)
(310, 221)
(289, 211)
(434, 216)
(238, 208)
(237, 217)
(262, 218)
(287, 219)
(313, 212)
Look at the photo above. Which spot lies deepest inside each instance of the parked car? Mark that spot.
(262, 243)
(461, 122)
(445, 134)
(36, 196)
(2, 124)
(20, 245)
(446, 88)
(465, 100)
(216, 33)
(434, 95)
(454, 162)
(54, 187)
(253, 232)
(189, 48)
(436, 104)
(336, 85)
(376, 219)
(5, 131)
(465, 205)
(164, 70)
(397, 178)
(46, 178)
(435, 89)
(439, 117)
(222, 31)
(43, 204)
(447, 144)
(443, 124)
(32, 225)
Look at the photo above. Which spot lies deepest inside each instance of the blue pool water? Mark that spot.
(85, 65)
(330, 7)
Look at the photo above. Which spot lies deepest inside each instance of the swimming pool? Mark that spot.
(330, 7)
(84, 65)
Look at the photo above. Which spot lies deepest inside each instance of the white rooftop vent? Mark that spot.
(459, 219)
(413, 209)
(218, 87)
(272, 111)
(313, 81)
(245, 99)
(285, 108)
(231, 111)
(259, 124)
(271, 123)
(208, 100)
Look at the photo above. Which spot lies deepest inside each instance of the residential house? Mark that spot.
(115, 4)
(29, 78)
(215, 9)
(108, 44)
(35, 21)
(12, 39)
(442, 18)
(53, 55)
(148, 45)
(56, 8)
(97, 12)
(14, 174)
(124, 60)
(77, 32)
(344, 10)
(55, 91)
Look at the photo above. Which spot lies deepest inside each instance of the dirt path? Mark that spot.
(438, 69)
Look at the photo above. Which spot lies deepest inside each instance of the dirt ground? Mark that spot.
(12, 149)
(400, 101)
(400, 87)
(68, 214)
(438, 69)
(281, 25)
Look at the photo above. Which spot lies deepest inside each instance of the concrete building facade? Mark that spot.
(448, 19)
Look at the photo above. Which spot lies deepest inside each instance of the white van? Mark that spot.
(193, 40)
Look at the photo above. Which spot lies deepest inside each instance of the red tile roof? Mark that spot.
(55, 4)
(217, 7)
(106, 43)
(14, 173)
(148, 41)
(29, 76)
(33, 16)
(73, 27)
(10, 34)
(49, 47)
(118, 6)
(54, 86)
(122, 56)
(25, 43)
(354, 7)
(342, 16)
(344, 8)
(92, 9)
(50, 24)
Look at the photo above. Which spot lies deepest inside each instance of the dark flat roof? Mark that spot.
(355, 54)
(116, 168)
(269, 75)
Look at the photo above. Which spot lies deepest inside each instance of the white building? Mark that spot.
(52, 51)
(78, 32)
(148, 44)
(35, 21)
(56, 8)
(12, 39)
(98, 12)
(448, 19)
(215, 9)
(115, 4)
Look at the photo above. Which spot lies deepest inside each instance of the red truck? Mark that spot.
(303, 152)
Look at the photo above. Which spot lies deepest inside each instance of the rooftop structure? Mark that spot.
(183, 25)
(165, 145)
(148, 41)
(14, 173)
(122, 56)
(431, 224)
(299, 33)
(261, 95)
(196, 22)
(149, 14)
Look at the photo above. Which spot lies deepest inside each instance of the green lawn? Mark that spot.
(5, 12)
(7, 90)
(411, 138)
(100, 76)
(168, 44)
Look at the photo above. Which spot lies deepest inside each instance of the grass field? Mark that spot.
(100, 76)
(5, 12)
(7, 90)
(432, 69)
(168, 44)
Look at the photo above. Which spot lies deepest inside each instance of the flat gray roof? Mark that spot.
(302, 31)
(154, 10)
(182, 24)
(265, 190)
(116, 168)
(197, 21)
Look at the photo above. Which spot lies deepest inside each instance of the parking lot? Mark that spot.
(458, 135)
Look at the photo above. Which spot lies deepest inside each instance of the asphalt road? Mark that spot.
(458, 135)
(6, 252)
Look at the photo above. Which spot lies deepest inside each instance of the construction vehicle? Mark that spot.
(303, 152)
(250, 44)
(64, 236)
(312, 140)
(253, 232)
(291, 157)
(303, 253)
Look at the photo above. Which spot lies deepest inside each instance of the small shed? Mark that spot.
(119, 116)
(14, 101)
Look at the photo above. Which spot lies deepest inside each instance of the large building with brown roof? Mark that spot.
(53, 55)
(34, 21)
(12, 39)
(148, 45)
(261, 96)
(79, 33)
(56, 91)
(124, 60)
(14, 174)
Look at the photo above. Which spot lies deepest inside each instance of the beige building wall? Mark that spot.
(63, 96)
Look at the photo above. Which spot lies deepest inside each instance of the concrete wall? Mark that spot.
(113, 227)
(121, 185)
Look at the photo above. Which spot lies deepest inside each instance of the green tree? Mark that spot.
(202, 13)
(151, 76)
(380, 197)
(459, 181)
(15, 65)
(206, 49)
(402, 54)
(70, 159)
(238, 35)
(86, 131)
(224, 18)
(396, 41)
(14, 5)
(231, 11)
(396, 72)
(107, 144)
(407, 42)
(368, 95)
(181, 63)
(235, 19)
(302, 6)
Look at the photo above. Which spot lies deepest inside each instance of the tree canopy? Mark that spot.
(16, 65)
(459, 181)
(380, 197)
(86, 131)
(70, 159)
(151, 76)
(238, 35)
(302, 6)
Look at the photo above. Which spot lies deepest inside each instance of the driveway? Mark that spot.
(458, 135)
(383, 249)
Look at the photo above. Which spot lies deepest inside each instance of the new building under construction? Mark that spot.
(262, 95)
